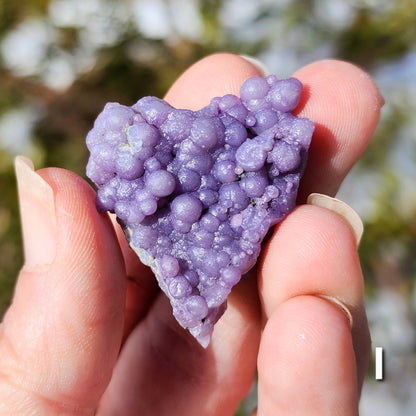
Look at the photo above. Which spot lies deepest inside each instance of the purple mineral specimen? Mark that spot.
(196, 192)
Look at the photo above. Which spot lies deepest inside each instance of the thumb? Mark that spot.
(60, 338)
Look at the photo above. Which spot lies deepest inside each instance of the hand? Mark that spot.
(88, 330)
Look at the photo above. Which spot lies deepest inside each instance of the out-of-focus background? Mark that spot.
(62, 60)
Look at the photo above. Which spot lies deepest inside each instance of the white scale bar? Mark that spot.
(379, 363)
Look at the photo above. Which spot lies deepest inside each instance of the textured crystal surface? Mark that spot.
(196, 192)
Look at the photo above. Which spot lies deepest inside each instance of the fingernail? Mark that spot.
(341, 305)
(258, 64)
(37, 213)
(341, 208)
(382, 101)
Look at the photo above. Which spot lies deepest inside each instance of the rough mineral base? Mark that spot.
(196, 192)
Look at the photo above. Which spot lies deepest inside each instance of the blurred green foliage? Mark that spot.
(388, 35)
(137, 65)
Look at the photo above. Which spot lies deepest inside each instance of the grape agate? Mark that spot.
(196, 192)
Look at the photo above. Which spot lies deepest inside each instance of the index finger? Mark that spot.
(344, 103)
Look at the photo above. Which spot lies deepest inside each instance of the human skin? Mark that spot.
(88, 331)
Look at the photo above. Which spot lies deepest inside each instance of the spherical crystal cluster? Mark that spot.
(196, 192)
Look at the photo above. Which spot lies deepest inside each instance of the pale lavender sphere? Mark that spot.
(186, 207)
(160, 183)
(284, 94)
(254, 88)
(197, 192)
(250, 156)
(180, 287)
